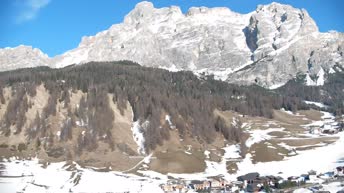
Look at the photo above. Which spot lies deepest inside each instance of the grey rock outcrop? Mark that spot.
(22, 57)
(268, 46)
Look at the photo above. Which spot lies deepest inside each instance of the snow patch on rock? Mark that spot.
(138, 130)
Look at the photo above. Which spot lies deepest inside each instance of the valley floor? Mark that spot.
(31, 176)
(297, 150)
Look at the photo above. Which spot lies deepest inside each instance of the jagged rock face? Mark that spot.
(284, 42)
(275, 26)
(203, 39)
(22, 57)
(308, 54)
(268, 46)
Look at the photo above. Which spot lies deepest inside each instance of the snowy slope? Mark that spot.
(29, 176)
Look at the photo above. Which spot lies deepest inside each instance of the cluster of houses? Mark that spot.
(251, 182)
(210, 185)
(327, 128)
(254, 183)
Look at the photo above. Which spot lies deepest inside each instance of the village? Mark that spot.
(329, 127)
(253, 182)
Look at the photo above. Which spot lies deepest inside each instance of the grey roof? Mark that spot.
(249, 176)
(196, 182)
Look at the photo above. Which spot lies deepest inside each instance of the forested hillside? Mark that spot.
(330, 94)
(189, 100)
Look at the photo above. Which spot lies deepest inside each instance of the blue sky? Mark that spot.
(56, 26)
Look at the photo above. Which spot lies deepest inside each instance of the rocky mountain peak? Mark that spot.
(282, 13)
(274, 7)
(276, 25)
(144, 5)
(268, 46)
(140, 13)
(22, 56)
(24, 48)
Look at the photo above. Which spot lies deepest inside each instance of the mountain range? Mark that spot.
(268, 46)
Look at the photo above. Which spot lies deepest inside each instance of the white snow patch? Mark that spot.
(260, 135)
(192, 66)
(147, 159)
(172, 68)
(76, 56)
(81, 123)
(219, 74)
(331, 71)
(316, 104)
(272, 147)
(207, 154)
(242, 66)
(309, 81)
(232, 152)
(321, 78)
(285, 146)
(138, 131)
(276, 86)
(288, 112)
(169, 121)
(302, 190)
(188, 151)
(332, 187)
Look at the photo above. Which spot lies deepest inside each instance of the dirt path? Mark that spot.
(145, 159)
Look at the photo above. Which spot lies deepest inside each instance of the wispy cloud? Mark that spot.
(30, 8)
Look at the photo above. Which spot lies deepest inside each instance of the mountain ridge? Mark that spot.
(268, 46)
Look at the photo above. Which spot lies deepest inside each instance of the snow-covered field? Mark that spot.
(30, 176)
(333, 187)
(321, 159)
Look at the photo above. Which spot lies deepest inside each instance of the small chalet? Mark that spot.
(274, 181)
(312, 172)
(198, 185)
(340, 172)
(314, 129)
(173, 186)
(304, 177)
(218, 183)
(248, 178)
(238, 184)
(340, 169)
(327, 128)
(252, 182)
(326, 175)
